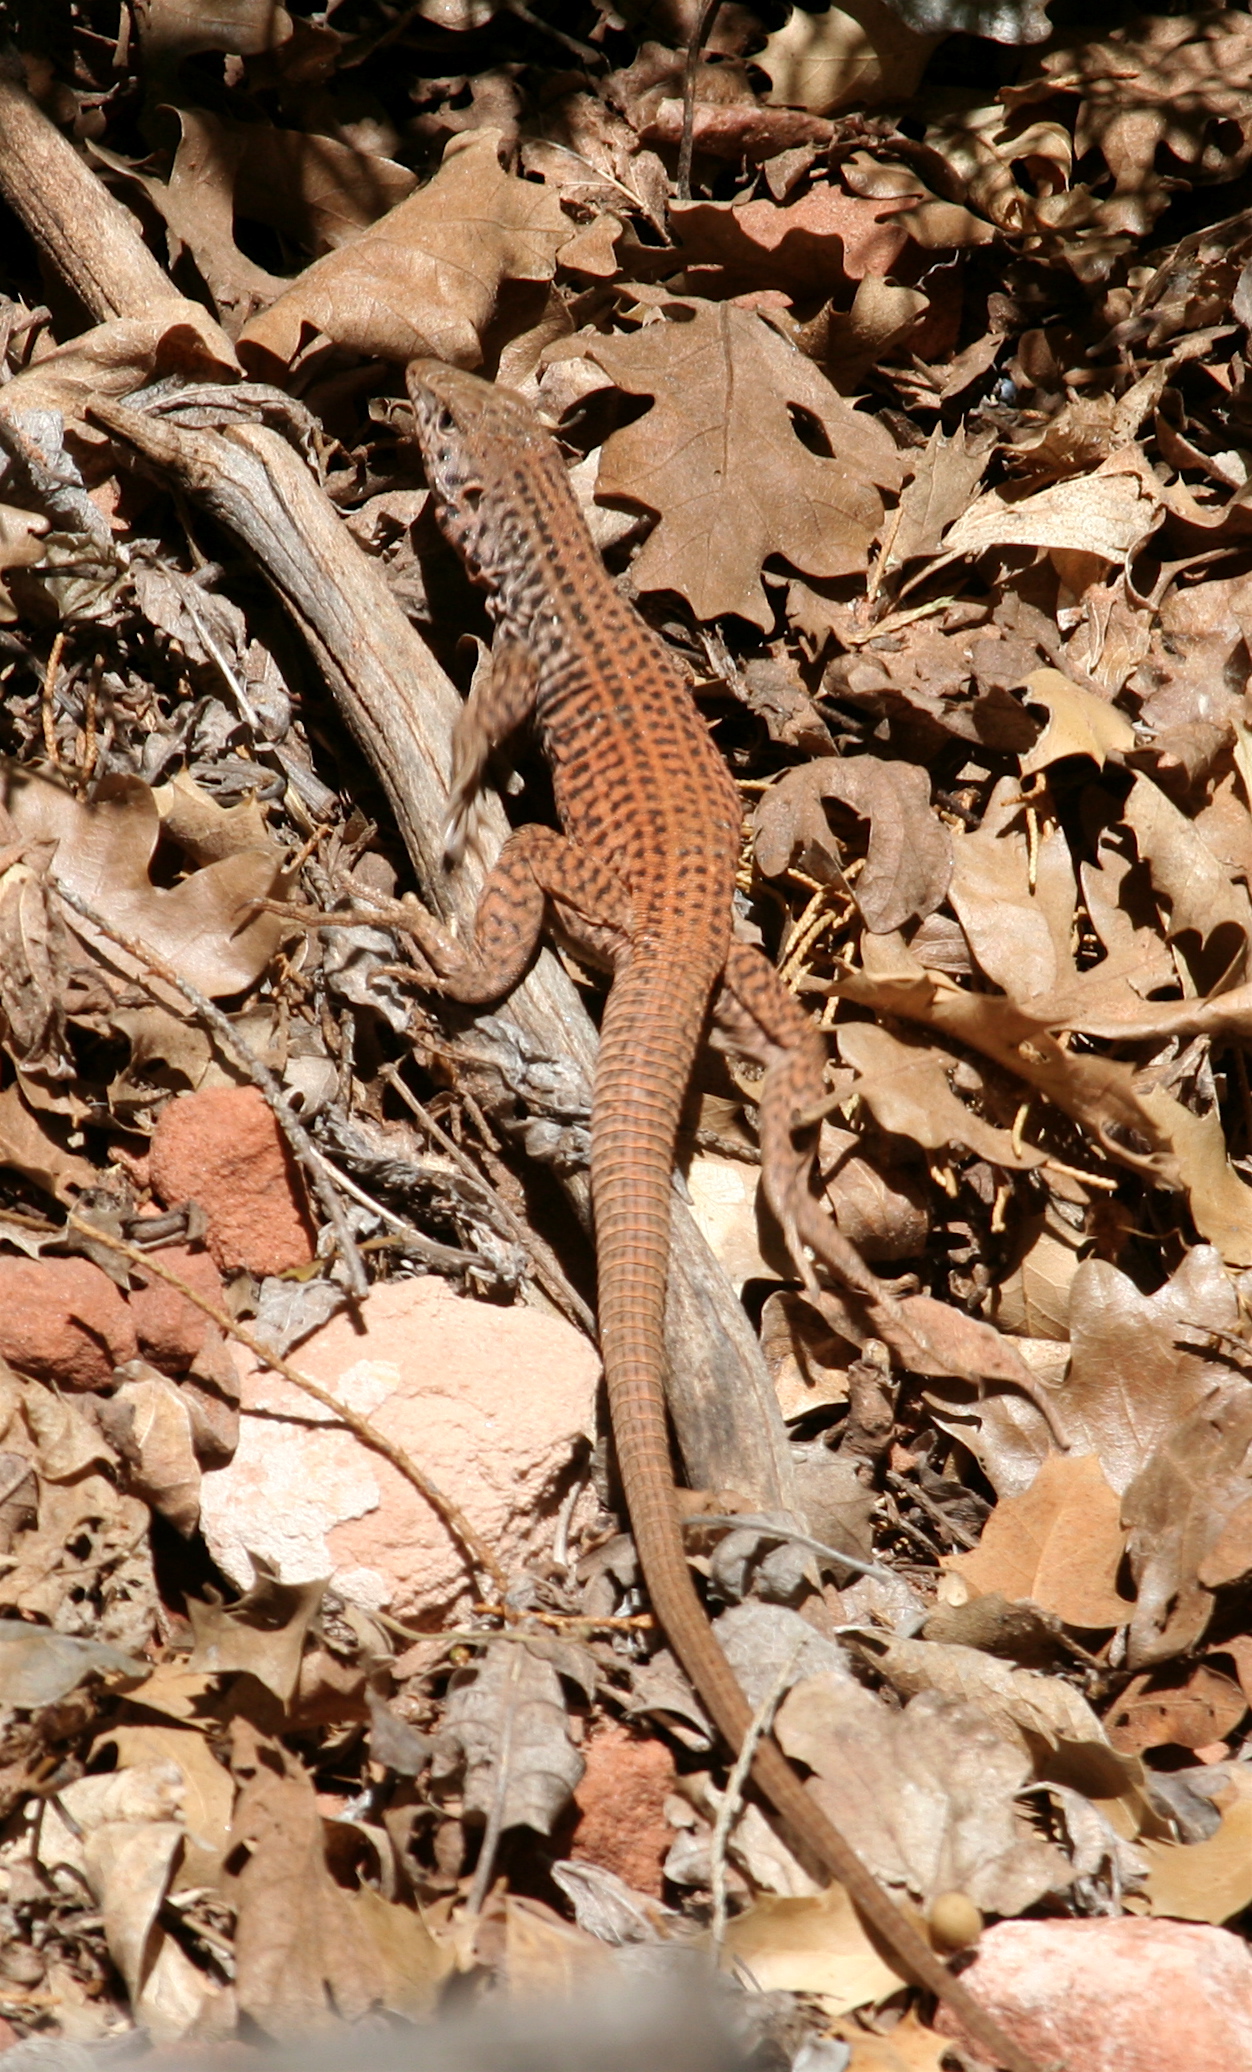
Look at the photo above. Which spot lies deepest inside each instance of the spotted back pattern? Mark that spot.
(644, 798)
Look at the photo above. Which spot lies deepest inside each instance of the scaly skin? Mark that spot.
(642, 879)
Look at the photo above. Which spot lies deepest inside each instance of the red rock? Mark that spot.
(223, 1149)
(170, 1329)
(621, 1804)
(63, 1321)
(1118, 1996)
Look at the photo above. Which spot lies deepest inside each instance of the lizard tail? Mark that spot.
(652, 1024)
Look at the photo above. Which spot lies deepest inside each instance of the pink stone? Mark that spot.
(63, 1321)
(490, 1403)
(621, 1804)
(223, 1149)
(1117, 1996)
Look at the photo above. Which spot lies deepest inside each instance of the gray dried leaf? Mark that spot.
(38, 1667)
(1189, 1514)
(506, 1731)
(1025, 1707)
(925, 1796)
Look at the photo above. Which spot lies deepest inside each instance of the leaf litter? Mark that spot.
(913, 414)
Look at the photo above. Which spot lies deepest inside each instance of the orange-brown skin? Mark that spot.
(641, 879)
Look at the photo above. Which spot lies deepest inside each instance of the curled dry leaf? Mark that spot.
(103, 852)
(22, 535)
(926, 1796)
(245, 28)
(1059, 1544)
(725, 385)
(909, 861)
(173, 337)
(148, 1420)
(906, 1087)
(1039, 1714)
(424, 278)
(1108, 514)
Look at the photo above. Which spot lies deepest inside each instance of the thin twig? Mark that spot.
(369, 1435)
(732, 1798)
(546, 1270)
(690, 68)
(322, 1175)
(768, 1529)
(499, 1799)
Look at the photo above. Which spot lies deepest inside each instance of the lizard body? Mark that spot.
(642, 879)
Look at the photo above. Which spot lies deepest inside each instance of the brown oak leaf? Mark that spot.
(720, 459)
(423, 278)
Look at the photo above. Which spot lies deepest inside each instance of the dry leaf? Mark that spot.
(1192, 1709)
(1079, 723)
(302, 1948)
(1108, 514)
(103, 852)
(148, 1420)
(1135, 1376)
(262, 1633)
(507, 1713)
(177, 27)
(1039, 1714)
(1189, 1516)
(425, 277)
(1033, 1299)
(826, 235)
(1200, 894)
(926, 1796)
(38, 1667)
(909, 859)
(1060, 1545)
(724, 384)
(173, 337)
(1204, 1881)
(810, 1946)
(906, 1088)
(206, 1798)
(861, 54)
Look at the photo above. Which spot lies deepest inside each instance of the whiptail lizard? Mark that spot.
(642, 880)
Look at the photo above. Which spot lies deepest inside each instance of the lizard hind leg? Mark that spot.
(757, 1016)
(536, 866)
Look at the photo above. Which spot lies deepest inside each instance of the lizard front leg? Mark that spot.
(536, 869)
(502, 696)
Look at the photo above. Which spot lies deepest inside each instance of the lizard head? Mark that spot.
(466, 427)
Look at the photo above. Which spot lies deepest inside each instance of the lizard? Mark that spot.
(640, 878)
